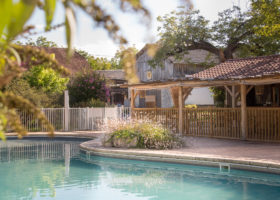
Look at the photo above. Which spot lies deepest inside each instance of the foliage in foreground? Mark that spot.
(14, 59)
(142, 135)
(21, 87)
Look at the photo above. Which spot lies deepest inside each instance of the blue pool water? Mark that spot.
(42, 169)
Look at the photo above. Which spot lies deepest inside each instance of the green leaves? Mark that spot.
(20, 11)
(46, 79)
(70, 23)
(5, 14)
(266, 14)
(3, 123)
(87, 85)
(49, 12)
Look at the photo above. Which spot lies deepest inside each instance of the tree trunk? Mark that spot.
(225, 55)
(222, 57)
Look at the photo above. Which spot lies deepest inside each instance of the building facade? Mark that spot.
(116, 78)
(172, 69)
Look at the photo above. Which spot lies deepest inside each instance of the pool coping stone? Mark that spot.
(159, 156)
(94, 148)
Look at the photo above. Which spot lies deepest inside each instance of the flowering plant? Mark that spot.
(87, 85)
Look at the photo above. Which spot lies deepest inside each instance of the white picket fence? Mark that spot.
(75, 119)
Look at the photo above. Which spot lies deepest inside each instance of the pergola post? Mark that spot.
(132, 98)
(243, 112)
(132, 102)
(180, 110)
(233, 97)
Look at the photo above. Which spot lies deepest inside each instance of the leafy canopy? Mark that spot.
(41, 42)
(101, 63)
(266, 14)
(233, 33)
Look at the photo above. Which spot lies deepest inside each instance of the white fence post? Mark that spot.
(87, 118)
(66, 119)
(66, 110)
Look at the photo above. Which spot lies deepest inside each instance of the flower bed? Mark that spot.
(141, 135)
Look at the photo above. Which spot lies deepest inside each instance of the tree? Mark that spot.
(41, 42)
(116, 62)
(14, 58)
(266, 14)
(98, 63)
(234, 33)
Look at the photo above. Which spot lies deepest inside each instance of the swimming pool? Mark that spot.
(56, 169)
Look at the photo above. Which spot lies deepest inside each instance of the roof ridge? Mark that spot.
(252, 58)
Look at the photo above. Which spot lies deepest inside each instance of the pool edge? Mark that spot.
(182, 159)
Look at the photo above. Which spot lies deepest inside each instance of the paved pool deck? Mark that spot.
(260, 156)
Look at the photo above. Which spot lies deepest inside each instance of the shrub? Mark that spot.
(46, 79)
(218, 95)
(90, 103)
(87, 85)
(142, 135)
(191, 106)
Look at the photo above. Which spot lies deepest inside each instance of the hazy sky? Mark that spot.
(97, 42)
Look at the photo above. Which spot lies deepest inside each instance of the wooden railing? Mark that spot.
(212, 122)
(165, 116)
(263, 124)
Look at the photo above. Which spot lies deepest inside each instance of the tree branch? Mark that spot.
(196, 46)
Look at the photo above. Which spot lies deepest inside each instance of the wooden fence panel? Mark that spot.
(263, 124)
(212, 122)
(165, 116)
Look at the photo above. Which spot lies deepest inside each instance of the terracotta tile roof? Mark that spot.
(117, 74)
(242, 68)
(76, 62)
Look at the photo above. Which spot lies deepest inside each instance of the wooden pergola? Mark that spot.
(238, 77)
(180, 90)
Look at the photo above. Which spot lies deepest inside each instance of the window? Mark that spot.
(180, 70)
(149, 75)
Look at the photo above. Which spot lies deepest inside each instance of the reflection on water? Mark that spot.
(55, 170)
(173, 181)
(39, 150)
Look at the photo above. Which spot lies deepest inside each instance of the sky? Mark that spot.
(97, 42)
